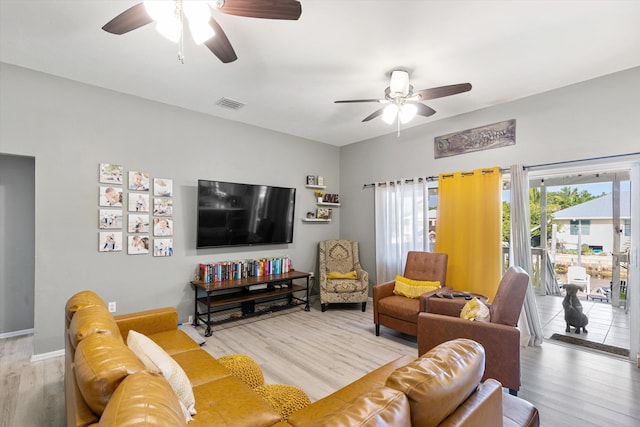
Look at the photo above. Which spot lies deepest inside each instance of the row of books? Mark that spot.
(235, 270)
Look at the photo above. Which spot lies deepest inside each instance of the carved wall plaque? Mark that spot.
(477, 139)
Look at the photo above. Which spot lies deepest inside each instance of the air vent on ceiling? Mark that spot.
(229, 103)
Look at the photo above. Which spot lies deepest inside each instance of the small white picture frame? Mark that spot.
(163, 227)
(162, 206)
(138, 223)
(138, 181)
(162, 247)
(110, 196)
(109, 218)
(138, 202)
(110, 174)
(162, 187)
(110, 241)
(137, 244)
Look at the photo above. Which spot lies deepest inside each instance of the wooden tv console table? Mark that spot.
(228, 294)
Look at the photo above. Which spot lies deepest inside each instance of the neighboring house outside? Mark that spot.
(592, 223)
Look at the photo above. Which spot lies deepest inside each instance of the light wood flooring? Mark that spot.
(321, 352)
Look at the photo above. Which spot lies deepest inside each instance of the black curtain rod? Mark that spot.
(399, 181)
(566, 162)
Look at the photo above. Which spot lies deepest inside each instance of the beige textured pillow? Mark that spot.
(157, 360)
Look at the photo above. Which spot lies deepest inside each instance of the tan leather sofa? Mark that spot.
(106, 385)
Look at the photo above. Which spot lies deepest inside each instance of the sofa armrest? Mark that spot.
(148, 322)
(482, 408)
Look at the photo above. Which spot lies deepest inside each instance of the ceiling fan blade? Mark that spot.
(423, 110)
(373, 115)
(220, 45)
(267, 9)
(442, 91)
(357, 100)
(130, 19)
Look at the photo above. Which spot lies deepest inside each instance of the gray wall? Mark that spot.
(17, 250)
(70, 128)
(600, 117)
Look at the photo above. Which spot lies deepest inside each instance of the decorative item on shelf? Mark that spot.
(311, 215)
(311, 180)
(320, 180)
(323, 213)
(331, 198)
(319, 195)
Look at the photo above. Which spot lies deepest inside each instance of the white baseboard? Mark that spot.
(45, 356)
(16, 333)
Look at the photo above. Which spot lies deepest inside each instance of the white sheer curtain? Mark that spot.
(402, 224)
(520, 254)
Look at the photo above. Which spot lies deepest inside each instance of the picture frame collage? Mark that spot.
(127, 207)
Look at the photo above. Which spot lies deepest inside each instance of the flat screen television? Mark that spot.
(234, 214)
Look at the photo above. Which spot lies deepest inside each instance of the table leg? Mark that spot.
(208, 332)
(306, 307)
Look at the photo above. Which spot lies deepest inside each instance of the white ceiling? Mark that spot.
(288, 73)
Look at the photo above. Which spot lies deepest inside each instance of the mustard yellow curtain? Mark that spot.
(468, 229)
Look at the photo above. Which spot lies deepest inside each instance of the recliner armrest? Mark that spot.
(383, 290)
(425, 299)
(444, 306)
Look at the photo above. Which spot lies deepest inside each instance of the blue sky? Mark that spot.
(596, 189)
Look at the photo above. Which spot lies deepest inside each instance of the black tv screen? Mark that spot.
(233, 214)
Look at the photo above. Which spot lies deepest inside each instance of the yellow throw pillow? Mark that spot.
(474, 309)
(337, 275)
(413, 288)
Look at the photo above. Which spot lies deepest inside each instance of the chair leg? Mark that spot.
(323, 307)
(364, 306)
(377, 330)
(513, 392)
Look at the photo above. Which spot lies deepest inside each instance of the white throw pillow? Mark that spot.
(157, 360)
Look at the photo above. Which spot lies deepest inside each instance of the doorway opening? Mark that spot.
(581, 235)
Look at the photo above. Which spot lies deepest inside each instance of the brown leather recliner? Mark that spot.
(399, 312)
(500, 337)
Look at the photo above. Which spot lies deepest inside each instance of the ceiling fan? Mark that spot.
(404, 102)
(170, 18)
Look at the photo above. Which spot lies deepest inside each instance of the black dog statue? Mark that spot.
(573, 314)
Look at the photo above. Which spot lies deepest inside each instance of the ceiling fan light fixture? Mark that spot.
(170, 28)
(390, 113)
(201, 32)
(196, 11)
(160, 10)
(399, 85)
(407, 113)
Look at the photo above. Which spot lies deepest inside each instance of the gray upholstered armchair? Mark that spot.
(340, 257)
